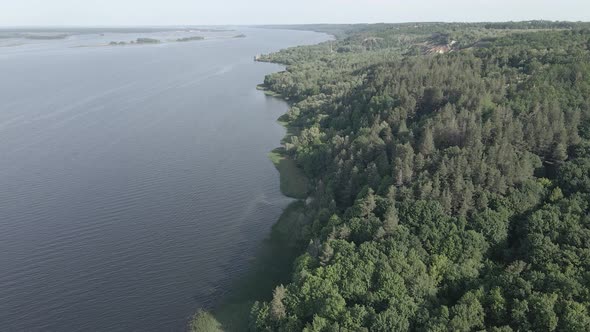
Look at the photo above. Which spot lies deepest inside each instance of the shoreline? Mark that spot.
(272, 264)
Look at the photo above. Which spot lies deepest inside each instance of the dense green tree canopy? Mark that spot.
(450, 174)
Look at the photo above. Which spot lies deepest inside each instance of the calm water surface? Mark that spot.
(134, 182)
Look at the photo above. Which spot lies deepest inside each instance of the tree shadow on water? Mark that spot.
(271, 267)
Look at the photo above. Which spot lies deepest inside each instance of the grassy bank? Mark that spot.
(268, 92)
(293, 182)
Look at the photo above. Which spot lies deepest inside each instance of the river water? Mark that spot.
(134, 180)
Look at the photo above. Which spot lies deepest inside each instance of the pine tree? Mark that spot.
(402, 128)
(559, 152)
(277, 308)
(390, 220)
(326, 254)
(427, 145)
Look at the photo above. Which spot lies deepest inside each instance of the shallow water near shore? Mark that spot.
(135, 185)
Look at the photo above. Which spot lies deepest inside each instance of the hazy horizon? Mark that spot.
(257, 25)
(71, 13)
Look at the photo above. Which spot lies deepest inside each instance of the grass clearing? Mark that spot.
(294, 183)
(268, 92)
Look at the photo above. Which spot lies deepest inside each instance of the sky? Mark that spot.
(247, 12)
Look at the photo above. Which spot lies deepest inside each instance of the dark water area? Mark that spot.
(134, 182)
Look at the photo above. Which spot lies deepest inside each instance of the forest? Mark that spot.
(449, 179)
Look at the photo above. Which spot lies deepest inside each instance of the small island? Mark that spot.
(46, 37)
(33, 35)
(188, 39)
(146, 41)
(138, 41)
